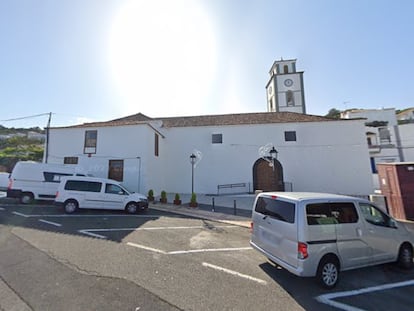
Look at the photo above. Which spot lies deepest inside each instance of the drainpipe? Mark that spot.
(398, 141)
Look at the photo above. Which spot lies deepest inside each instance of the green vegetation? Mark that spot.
(193, 198)
(19, 148)
(334, 113)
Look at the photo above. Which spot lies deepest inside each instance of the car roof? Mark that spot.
(301, 196)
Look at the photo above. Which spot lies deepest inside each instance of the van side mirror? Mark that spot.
(392, 223)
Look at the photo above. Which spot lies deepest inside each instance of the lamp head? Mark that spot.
(273, 153)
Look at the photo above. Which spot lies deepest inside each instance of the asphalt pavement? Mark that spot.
(232, 209)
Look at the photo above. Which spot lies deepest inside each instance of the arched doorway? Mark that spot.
(266, 178)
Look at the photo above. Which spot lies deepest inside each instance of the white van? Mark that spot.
(319, 234)
(97, 193)
(38, 181)
(4, 181)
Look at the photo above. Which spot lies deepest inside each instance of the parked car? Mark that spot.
(38, 181)
(319, 234)
(4, 181)
(76, 192)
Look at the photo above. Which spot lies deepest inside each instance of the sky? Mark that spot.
(97, 60)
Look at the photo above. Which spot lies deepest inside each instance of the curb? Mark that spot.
(213, 216)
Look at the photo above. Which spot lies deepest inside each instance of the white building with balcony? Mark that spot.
(386, 139)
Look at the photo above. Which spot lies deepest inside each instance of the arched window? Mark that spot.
(285, 69)
(290, 100)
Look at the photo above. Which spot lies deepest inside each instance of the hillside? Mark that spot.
(20, 144)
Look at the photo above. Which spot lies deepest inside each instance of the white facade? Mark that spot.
(382, 133)
(285, 89)
(388, 142)
(407, 141)
(320, 158)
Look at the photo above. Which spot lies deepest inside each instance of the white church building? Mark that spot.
(282, 149)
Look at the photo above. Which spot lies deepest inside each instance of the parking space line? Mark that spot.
(232, 272)
(328, 298)
(20, 214)
(90, 231)
(2, 209)
(70, 216)
(50, 223)
(209, 250)
(156, 250)
(86, 232)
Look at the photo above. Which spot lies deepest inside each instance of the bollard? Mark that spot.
(235, 211)
(214, 207)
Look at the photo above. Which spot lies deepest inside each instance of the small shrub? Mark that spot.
(151, 195)
(193, 198)
(163, 198)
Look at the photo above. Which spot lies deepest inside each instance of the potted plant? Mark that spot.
(163, 198)
(193, 201)
(177, 200)
(151, 195)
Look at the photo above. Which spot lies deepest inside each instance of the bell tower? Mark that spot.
(285, 91)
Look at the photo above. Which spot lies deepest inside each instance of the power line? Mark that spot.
(27, 117)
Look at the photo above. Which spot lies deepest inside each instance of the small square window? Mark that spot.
(217, 138)
(290, 136)
(70, 160)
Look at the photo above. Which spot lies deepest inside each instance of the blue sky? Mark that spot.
(96, 60)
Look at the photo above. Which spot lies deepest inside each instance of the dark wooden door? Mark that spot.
(267, 178)
(116, 170)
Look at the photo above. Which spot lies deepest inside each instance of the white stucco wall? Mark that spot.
(385, 114)
(407, 141)
(133, 144)
(327, 156)
(322, 158)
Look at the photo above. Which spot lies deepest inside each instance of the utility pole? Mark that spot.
(46, 154)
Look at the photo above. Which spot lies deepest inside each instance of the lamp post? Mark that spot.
(192, 160)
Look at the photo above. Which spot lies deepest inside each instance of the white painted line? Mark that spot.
(86, 232)
(328, 298)
(50, 223)
(20, 214)
(209, 250)
(90, 231)
(2, 209)
(74, 216)
(245, 276)
(156, 250)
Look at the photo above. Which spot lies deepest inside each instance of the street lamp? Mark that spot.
(193, 158)
(273, 154)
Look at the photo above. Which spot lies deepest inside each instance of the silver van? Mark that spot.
(319, 234)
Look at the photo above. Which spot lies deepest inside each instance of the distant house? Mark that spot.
(36, 136)
(406, 115)
(314, 153)
(387, 140)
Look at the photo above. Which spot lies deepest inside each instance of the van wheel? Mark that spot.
(405, 257)
(26, 198)
(70, 206)
(131, 208)
(328, 272)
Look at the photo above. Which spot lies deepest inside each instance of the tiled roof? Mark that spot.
(241, 118)
(214, 120)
